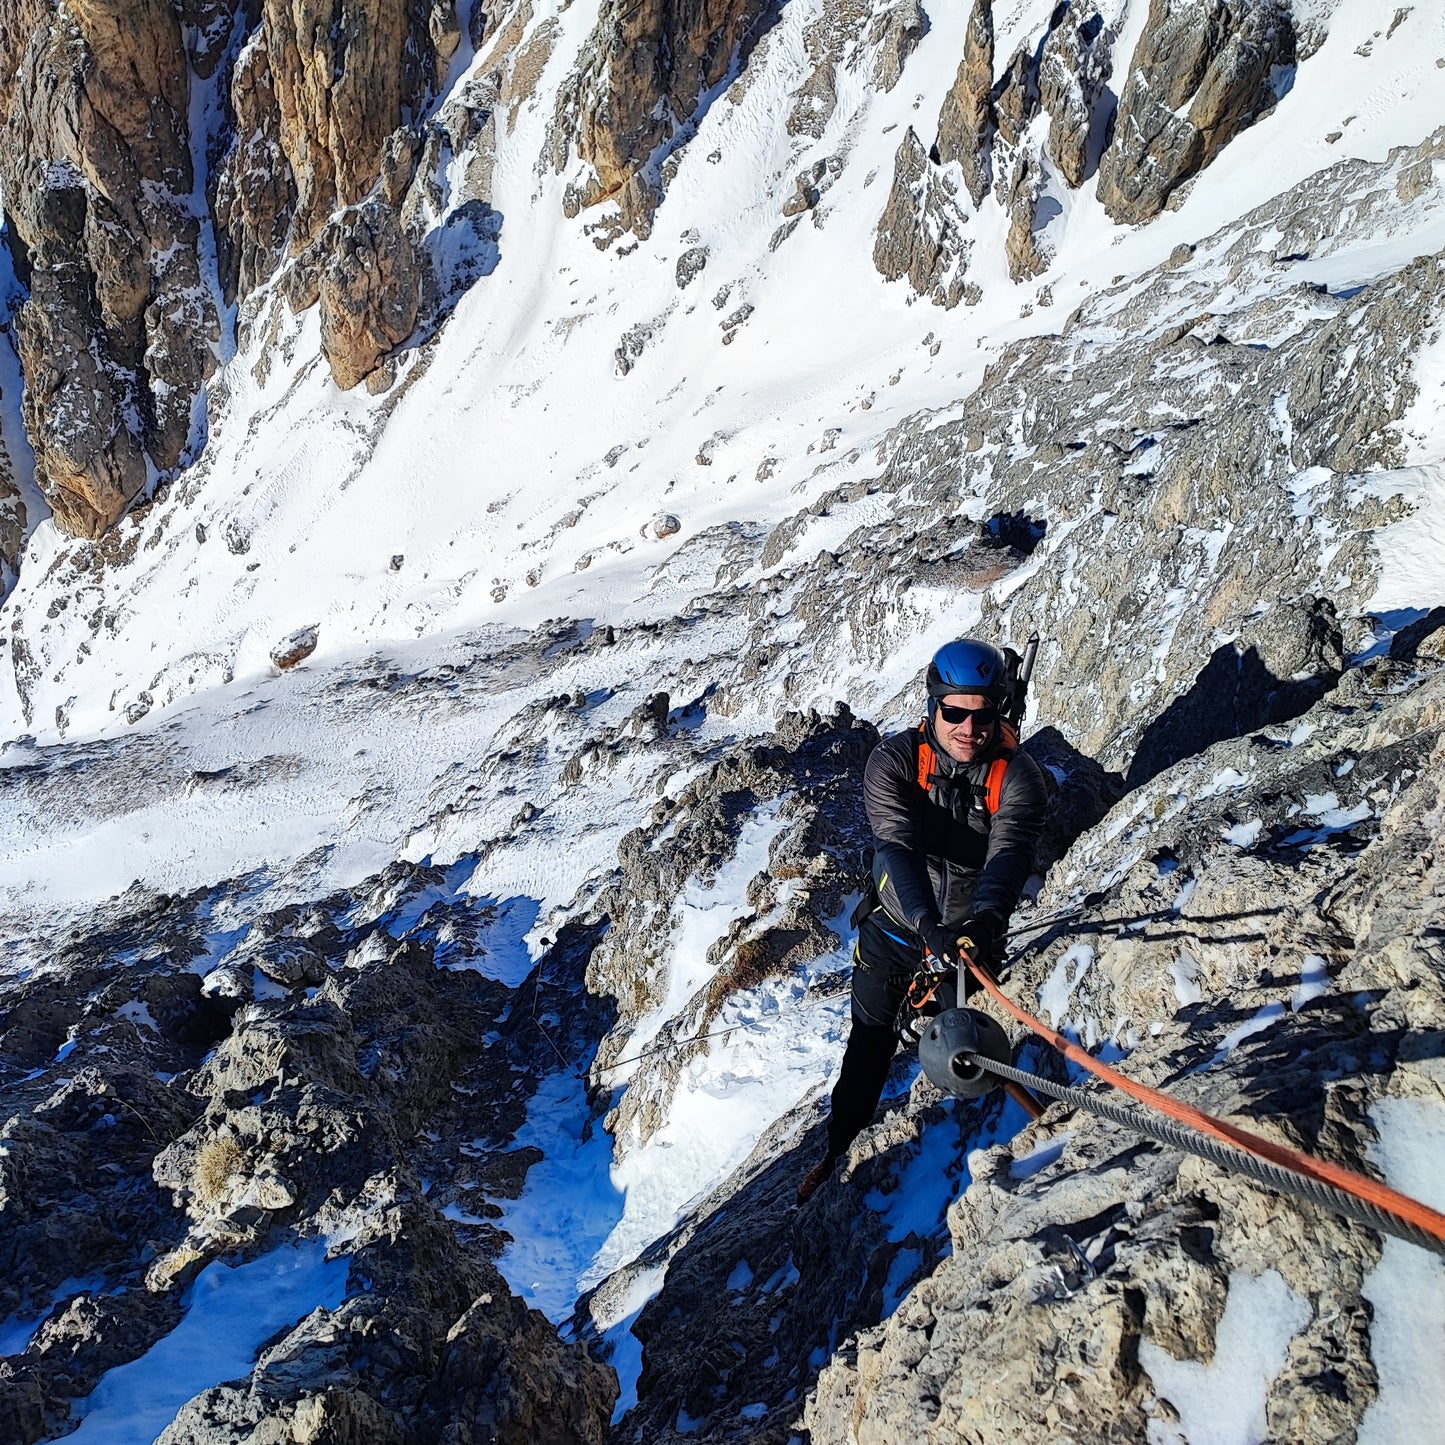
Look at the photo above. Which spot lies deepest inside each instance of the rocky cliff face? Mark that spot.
(986, 125)
(1049, 120)
(641, 78)
(338, 1089)
(119, 329)
(1192, 87)
(303, 112)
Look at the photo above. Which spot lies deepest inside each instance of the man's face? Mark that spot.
(967, 739)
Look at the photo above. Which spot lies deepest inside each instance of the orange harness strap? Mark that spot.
(993, 787)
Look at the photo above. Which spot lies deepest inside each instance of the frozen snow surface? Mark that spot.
(1068, 973)
(1223, 1402)
(516, 475)
(233, 1310)
(1407, 1287)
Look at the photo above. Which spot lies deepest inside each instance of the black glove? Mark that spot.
(942, 943)
(986, 930)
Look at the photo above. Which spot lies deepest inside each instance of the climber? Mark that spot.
(956, 812)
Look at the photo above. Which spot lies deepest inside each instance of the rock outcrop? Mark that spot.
(833, 45)
(1074, 68)
(345, 74)
(921, 232)
(370, 289)
(1191, 89)
(324, 100)
(965, 122)
(1085, 1262)
(119, 330)
(983, 122)
(270, 1124)
(638, 84)
(1179, 486)
(254, 190)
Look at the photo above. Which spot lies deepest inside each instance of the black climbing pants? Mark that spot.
(883, 965)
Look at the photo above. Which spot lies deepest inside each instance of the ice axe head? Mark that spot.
(948, 1048)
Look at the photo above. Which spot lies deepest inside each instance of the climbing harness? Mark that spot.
(954, 1065)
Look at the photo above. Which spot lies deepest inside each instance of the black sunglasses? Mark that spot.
(982, 716)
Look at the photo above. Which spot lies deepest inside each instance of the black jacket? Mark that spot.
(938, 856)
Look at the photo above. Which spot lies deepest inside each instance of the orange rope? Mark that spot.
(1360, 1185)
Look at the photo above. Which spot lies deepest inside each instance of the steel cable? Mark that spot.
(1262, 1171)
(1294, 1161)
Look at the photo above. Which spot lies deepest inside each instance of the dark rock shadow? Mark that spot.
(1017, 530)
(1085, 791)
(1405, 644)
(462, 250)
(1238, 691)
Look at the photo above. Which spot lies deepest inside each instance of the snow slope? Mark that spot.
(487, 468)
(462, 541)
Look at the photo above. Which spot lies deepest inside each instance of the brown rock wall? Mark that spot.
(338, 73)
(641, 76)
(96, 167)
(966, 120)
(19, 21)
(370, 290)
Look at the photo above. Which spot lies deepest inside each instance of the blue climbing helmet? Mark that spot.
(970, 666)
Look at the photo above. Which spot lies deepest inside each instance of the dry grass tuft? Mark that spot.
(219, 1160)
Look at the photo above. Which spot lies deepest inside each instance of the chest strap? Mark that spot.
(991, 792)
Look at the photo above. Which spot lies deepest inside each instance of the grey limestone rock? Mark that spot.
(1016, 95)
(811, 770)
(895, 32)
(690, 265)
(1191, 89)
(921, 232)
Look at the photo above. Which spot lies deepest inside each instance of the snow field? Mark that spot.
(489, 475)
(1223, 1403)
(232, 1311)
(1407, 1287)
